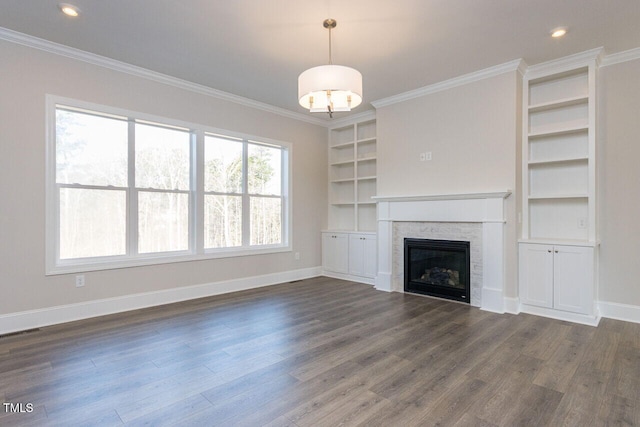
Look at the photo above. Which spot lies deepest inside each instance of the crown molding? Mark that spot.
(522, 67)
(451, 83)
(353, 118)
(123, 67)
(620, 57)
(566, 63)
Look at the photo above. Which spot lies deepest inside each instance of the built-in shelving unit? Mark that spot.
(352, 176)
(349, 248)
(558, 249)
(559, 155)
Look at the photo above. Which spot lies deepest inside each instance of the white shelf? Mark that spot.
(342, 163)
(552, 105)
(343, 145)
(566, 242)
(342, 181)
(367, 159)
(558, 196)
(559, 132)
(342, 203)
(367, 178)
(367, 140)
(558, 161)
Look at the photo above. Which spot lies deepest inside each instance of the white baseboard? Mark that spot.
(492, 300)
(614, 310)
(15, 322)
(512, 305)
(343, 276)
(561, 315)
(384, 282)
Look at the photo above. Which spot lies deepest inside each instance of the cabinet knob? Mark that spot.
(549, 250)
(556, 251)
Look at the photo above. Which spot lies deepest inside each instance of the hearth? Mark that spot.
(437, 268)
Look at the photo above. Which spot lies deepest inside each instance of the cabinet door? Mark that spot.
(335, 252)
(362, 255)
(370, 257)
(536, 274)
(573, 279)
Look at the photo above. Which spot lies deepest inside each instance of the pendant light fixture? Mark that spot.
(330, 88)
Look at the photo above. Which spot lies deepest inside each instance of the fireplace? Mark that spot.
(439, 268)
(479, 218)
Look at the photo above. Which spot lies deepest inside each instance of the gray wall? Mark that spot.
(473, 133)
(619, 182)
(26, 75)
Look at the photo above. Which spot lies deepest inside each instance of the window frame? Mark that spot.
(196, 249)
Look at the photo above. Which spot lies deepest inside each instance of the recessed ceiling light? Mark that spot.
(69, 9)
(558, 32)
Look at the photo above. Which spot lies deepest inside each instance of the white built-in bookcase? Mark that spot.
(559, 245)
(352, 176)
(559, 153)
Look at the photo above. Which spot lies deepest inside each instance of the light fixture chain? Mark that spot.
(330, 61)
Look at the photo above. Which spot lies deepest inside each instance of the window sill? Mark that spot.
(114, 263)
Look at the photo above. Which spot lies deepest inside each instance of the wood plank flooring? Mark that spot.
(322, 352)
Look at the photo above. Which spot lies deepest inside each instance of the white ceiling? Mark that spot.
(256, 49)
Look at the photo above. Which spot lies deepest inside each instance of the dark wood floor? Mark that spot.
(323, 352)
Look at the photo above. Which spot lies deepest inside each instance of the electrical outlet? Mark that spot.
(79, 280)
(582, 222)
(297, 256)
(425, 156)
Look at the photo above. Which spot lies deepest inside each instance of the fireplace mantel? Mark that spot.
(485, 208)
(456, 196)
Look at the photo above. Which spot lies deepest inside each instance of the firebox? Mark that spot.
(438, 268)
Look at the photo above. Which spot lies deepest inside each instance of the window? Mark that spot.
(265, 200)
(162, 177)
(223, 179)
(127, 189)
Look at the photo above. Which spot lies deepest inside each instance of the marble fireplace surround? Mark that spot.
(476, 217)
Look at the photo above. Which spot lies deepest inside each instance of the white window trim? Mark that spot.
(196, 249)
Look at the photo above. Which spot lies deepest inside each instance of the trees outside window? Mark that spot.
(127, 188)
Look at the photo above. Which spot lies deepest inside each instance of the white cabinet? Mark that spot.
(335, 252)
(350, 256)
(573, 279)
(558, 277)
(536, 275)
(362, 255)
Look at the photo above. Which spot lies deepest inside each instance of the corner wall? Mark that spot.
(619, 188)
(26, 76)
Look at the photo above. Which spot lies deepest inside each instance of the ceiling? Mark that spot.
(256, 49)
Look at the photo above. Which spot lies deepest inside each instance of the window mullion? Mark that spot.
(132, 193)
(284, 195)
(246, 214)
(196, 227)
